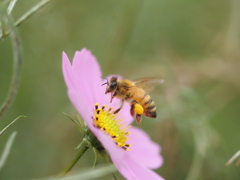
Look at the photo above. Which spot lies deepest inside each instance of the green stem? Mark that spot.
(195, 168)
(31, 12)
(83, 147)
(17, 63)
(26, 16)
(7, 149)
(11, 6)
(9, 125)
(235, 156)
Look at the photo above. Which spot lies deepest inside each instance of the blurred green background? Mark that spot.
(192, 45)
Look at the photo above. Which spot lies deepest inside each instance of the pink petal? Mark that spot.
(143, 149)
(87, 74)
(79, 103)
(84, 76)
(126, 162)
(84, 81)
(109, 144)
(67, 72)
(130, 169)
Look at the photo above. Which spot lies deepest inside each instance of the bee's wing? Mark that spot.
(147, 83)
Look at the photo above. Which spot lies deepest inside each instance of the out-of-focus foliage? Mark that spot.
(6, 150)
(192, 45)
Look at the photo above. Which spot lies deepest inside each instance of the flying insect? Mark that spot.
(136, 93)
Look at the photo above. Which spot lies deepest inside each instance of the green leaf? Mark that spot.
(7, 149)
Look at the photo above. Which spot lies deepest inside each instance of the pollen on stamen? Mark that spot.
(110, 109)
(98, 111)
(113, 125)
(103, 107)
(126, 149)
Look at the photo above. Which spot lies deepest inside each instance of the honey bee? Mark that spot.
(136, 93)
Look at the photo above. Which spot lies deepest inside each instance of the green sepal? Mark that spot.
(86, 141)
(105, 156)
(89, 140)
(78, 146)
(80, 128)
(81, 122)
(96, 158)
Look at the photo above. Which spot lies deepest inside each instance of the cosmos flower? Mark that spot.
(130, 148)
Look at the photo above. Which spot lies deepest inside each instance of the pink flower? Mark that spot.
(83, 79)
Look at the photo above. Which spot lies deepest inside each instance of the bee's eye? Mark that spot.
(113, 85)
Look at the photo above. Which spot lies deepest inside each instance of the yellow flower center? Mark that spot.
(110, 122)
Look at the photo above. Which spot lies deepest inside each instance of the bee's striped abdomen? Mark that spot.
(148, 105)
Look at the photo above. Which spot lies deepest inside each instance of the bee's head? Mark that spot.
(111, 85)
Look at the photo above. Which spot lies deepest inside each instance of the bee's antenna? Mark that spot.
(105, 82)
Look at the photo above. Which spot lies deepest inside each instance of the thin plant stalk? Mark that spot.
(235, 156)
(31, 12)
(9, 125)
(25, 16)
(17, 63)
(83, 147)
(11, 6)
(7, 149)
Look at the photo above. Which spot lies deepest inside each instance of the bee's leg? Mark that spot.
(117, 110)
(136, 111)
(113, 95)
(138, 119)
(111, 98)
(132, 111)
